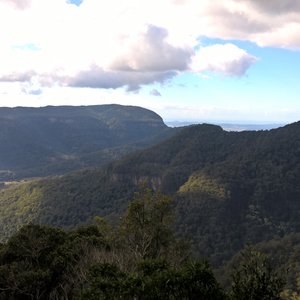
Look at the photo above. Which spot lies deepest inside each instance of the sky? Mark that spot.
(187, 60)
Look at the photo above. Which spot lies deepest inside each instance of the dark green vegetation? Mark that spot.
(285, 257)
(53, 140)
(230, 189)
(139, 259)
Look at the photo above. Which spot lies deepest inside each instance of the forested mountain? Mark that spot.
(230, 188)
(139, 259)
(54, 140)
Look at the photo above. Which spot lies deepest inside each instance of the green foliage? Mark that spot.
(154, 280)
(285, 253)
(99, 261)
(145, 227)
(65, 202)
(200, 184)
(41, 262)
(229, 189)
(255, 279)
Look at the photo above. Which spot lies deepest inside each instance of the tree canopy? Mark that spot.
(141, 258)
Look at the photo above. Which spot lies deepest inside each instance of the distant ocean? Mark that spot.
(228, 126)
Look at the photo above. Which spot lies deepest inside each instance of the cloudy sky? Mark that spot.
(198, 60)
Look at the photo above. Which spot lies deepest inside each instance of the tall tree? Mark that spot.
(145, 227)
(255, 279)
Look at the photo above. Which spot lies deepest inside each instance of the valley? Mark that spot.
(229, 189)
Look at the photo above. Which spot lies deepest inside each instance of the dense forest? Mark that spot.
(54, 140)
(229, 187)
(141, 258)
(229, 190)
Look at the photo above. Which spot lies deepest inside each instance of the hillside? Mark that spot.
(230, 188)
(53, 140)
(284, 253)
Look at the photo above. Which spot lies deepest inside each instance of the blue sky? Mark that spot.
(76, 2)
(268, 92)
(188, 60)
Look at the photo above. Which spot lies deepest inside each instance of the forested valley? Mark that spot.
(52, 140)
(235, 203)
(141, 258)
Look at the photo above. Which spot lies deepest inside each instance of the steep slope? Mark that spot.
(251, 196)
(230, 188)
(53, 140)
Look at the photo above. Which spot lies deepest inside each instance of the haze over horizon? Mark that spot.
(187, 60)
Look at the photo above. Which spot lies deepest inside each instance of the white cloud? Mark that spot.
(151, 52)
(281, 37)
(276, 6)
(97, 77)
(130, 43)
(253, 20)
(19, 4)
(225, 59)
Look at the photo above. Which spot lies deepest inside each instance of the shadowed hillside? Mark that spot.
(54, 140)
(230, 188)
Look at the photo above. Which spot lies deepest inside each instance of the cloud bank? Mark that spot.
(97, 77)
(19, 4)
(133, 43)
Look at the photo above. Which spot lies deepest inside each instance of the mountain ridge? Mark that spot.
(229, 189)
(41, 141)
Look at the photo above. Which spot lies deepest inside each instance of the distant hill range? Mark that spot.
(230, 188)
(53, 140)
